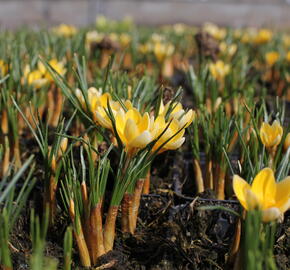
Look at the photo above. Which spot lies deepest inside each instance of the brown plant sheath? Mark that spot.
(16, 151)
(3, 267)
(6, 158)
(198, 176)
(50, 103)
(52, 198)
(109, 233)
(95, 238)
(221, 184)
(235, 246)
(125, 207)
(135, 205)
(208, 175)
(58, 107)
(82, 246)
(80, 239)
(146, 185)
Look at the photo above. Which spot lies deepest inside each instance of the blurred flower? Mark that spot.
(228, 49)
(3, 68)
(215, 31)
(179, 28)
(163, 50)
(271, 58)
(263, 36)
(65, 30)
(94, 37)
(286, 41)
(35, 77)
(145, 48)
(125, 40)
(272, 198)
(219, 70)
(56, 65)
(288, 56)
(271, 135)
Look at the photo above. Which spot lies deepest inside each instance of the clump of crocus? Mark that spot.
(271, 198)
(219, 70)
(272, 58)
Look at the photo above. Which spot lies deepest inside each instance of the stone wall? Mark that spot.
(14, 13)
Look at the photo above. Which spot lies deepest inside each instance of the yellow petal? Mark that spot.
(283, 194)
(142, 140)
(102, 120)
(120, 121)
(134, 115)
(175, 144)
(144, 123)
(240, 186)
(131, 130)
(264, 187)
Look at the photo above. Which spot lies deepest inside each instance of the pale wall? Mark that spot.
(14, 13)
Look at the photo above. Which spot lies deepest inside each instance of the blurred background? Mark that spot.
(237, 13)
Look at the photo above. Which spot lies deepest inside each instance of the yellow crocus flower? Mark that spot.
(3, 68)
(133, 129)
(95, 98)
(65, 30)
(215, 31)
(162, 51)
(174, 127)
(272, 198)
(271, 58)
(178, 119)
(219, 70)
(56, 65)
(125, 40)
(263, 36)
(271, 135)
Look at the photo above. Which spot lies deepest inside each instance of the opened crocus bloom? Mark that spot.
(133, 129)
(271, 135)
(178, 120)
(272, 198)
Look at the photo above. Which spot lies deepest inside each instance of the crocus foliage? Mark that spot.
(265, 194)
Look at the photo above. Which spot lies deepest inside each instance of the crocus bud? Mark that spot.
(287, 142)
(271, 135)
